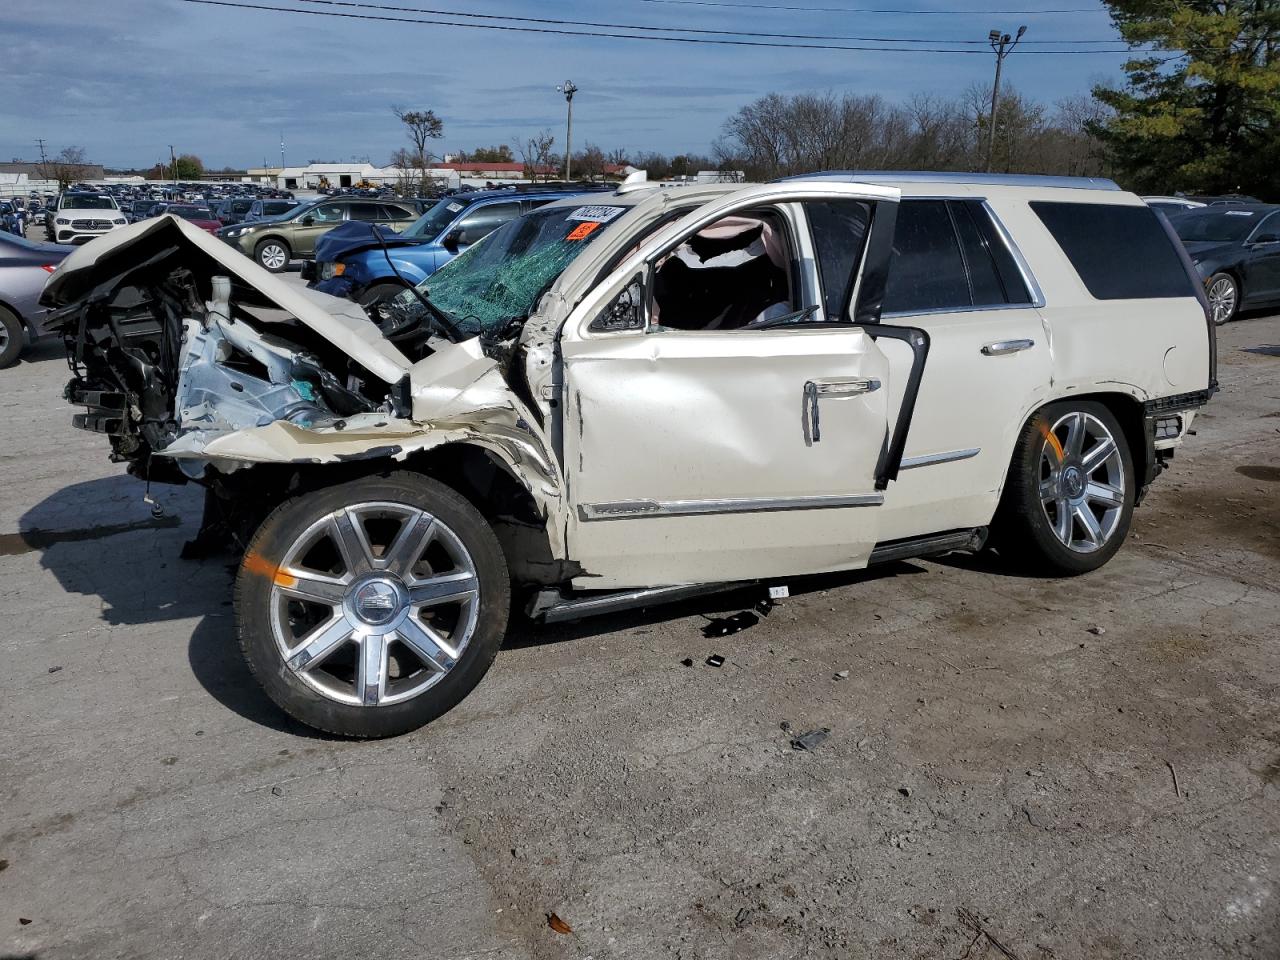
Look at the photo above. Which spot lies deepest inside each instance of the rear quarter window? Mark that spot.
(1120, 252)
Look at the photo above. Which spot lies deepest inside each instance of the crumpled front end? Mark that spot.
(198, 364)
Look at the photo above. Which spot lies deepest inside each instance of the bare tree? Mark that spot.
(68, 167)
(590, 163)
(535, 153)
(421, 126)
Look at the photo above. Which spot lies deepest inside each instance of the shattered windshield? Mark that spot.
(499, 279)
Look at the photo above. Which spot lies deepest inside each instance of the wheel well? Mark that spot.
(472, 471)
(1129, 414)
(277, 238)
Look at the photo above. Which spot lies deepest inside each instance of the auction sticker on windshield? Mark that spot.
(595, 214)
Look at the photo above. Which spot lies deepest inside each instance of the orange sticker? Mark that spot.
(583, 230)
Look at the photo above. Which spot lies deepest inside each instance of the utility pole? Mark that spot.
(44, 161)
(1003, 45)
(281, 150)
(568, 88)
(173, 167)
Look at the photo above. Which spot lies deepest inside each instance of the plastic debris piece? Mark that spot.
(715, 660)
(779, 593)
(811, 740)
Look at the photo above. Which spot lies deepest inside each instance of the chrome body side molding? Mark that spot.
(630, 509)
(929, 459)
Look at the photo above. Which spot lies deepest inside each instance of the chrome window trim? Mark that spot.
(632, 509)
(930, 459)
(1024, 268)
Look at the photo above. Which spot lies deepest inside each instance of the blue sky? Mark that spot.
(126, 78)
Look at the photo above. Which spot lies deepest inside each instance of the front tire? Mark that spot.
(1224, 297)
(380, 293)
(273, 254)
(12, 338)
(1068, 499)
(370, 608)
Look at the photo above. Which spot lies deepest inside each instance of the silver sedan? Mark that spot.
(25, 265)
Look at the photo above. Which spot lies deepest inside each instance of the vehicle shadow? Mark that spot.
(1264, 349)
(46, 348)
(134, 569)
(750, 599)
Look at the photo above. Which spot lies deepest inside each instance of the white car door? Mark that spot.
(697, 455)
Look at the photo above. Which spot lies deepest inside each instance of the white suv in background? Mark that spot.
(661, 391)
(79, 217)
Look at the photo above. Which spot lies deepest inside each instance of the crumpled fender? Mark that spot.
(459, 396)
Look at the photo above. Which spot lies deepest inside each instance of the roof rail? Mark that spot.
(978, 179)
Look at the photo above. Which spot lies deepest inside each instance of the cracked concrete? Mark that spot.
(991, 760)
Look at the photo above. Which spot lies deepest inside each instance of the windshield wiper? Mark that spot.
(445, 322)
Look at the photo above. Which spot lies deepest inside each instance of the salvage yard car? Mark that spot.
(662, 391)
(79, 217)
(369, 267)
(293, 235)
(1237, 252)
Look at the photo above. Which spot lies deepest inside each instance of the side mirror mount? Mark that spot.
(308, 221)
(452, 240)
(1267, 238)
(625, 312)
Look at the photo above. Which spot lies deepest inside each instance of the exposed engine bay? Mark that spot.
(198, 365)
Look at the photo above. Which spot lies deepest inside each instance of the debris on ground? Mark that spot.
(1174, 770)
(715, 660)
(1097, 631)
(277, 792)
(687, 662)
(841, 675)
(725, 626)
(811, 740)
(558, 925)
(979, 928)
(54, 669)
(905, 791)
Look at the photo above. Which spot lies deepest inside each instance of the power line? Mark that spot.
(651, 29)
(625, 36)
(809, 9)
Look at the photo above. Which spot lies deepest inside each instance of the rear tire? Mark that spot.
(273, 254)
(12, 338)
(370, 608)
(1068, 499)
(1224, 297)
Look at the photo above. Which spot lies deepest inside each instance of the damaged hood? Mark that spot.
(101, 264)
(356, 235)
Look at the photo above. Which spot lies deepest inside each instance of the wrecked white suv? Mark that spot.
(663, 391)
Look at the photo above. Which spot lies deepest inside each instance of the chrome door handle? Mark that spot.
(1003, 348)
(835, 390)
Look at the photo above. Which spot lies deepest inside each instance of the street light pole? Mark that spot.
(1003, 45)
(568, 88)
(173, 167)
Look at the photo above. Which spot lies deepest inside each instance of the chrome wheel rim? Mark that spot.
(374, 604)
(1081, 482)
(4, 338)
(273, 257)
(1222, 299)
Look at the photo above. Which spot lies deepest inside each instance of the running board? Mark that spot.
(550, 606)
(969, 541)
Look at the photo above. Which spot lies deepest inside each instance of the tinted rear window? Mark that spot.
(1120, 252)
